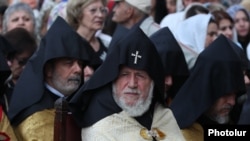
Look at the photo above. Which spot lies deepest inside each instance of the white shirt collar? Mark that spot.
(53, 90)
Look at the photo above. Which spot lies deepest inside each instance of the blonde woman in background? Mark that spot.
(87, 17)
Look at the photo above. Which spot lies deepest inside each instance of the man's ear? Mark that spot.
(129, 11)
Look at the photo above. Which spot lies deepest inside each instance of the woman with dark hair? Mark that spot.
(225, 25)
(6, 131)
(23, 45)
(195, 9)
(242, 26)
(159, 10)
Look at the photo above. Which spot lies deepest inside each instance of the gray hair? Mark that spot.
(14, 8)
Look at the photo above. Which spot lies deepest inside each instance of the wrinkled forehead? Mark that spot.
(127, 69)
(59, 60)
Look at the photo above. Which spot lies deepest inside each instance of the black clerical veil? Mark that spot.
(216, 73)
(119, 33)
(60, 41)
(171, 54)
(4, 71)
(5, 46)
(4, 68)
(172, 58)
(94, 100)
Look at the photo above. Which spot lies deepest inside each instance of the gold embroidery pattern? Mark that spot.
(153, 133)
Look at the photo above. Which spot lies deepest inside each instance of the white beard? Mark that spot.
(139, 108)
(222, 119)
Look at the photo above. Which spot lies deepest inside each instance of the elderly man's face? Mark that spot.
(122, 12)
(65, 75)
(220, 110)
(133, 91)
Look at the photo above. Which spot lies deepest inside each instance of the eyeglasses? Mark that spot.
(21, 61)
(103, 10)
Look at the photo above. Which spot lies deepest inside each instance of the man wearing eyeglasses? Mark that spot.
(22, 46)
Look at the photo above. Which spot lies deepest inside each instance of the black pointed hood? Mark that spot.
(172, 58)
(5, 46)
(217, 72)
(4, 68)
(171, 54)
(60, 41)
(135, 50)
(119, 33)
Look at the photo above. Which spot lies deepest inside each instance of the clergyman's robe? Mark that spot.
(6, 130)
(122, 127)
(37, 127)
(194, 132)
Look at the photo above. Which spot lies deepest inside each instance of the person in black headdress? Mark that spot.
(210, 91)
(55, 71)
(22, 46)
(6, 131)
(5, 70)
(124, 99)
(175, 66)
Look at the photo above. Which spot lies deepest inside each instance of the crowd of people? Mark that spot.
(125, 69)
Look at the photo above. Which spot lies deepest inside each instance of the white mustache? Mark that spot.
(136, 91)
(75, 78)
(228, 107)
